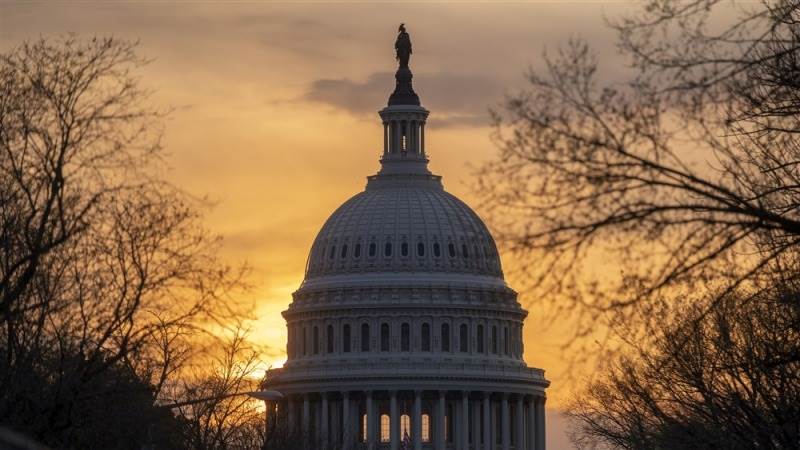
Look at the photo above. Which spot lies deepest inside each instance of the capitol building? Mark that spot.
(404, 333)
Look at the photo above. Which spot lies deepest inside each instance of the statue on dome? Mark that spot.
(403, 46)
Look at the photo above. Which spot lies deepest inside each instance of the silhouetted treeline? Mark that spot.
(107, 276)
(682, 172)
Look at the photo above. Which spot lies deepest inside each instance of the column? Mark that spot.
(335, 430)
(394, 424)
(540, 437)
(323, 426)
(415, 136)
(306, 415)
(416, 423)
(519, 428)
(531, 423)
(441, 410)
(347, 428)
(487, 434)
(505, 426)
(464, 420)
(476, 424)
(385, 138)
(422, 138)
(317, 411)
(370, 421)
(410, 136)
(398, 136)
(417, 147)
(291, 415)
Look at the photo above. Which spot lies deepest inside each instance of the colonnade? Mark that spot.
(424, 419)
(402, 135)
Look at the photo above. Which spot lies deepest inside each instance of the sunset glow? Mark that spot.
(275, 113)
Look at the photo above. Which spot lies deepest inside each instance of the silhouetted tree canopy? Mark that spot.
(679, 173)
(728, 380)
(682, 173)
(107, 275)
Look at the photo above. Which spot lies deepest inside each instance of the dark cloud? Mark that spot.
(454, 99)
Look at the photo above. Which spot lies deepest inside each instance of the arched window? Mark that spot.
(494, 339)
(329, 339)
(405, 338)
(480, 339)
(316, 340)
(346, 338)
(463, 338)
(332, 253)
(437, 251)
(404, 249)
(364, 337)
(445, 337)
(451, 249)
(426, 337)
(305, 341)
(344, 251)
(464, 251)
(426, 428)
(385, 337)
(387, 249)
(385, 425)
(363, 428)
(420, 249)
(405, 425)
(505, 341)
(357, 251)
(372, 249)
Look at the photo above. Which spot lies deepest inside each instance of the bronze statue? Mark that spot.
(403, 46)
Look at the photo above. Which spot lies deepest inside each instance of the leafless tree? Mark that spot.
(729, 380)
(106, 271)
(660, 205)
(661, 182)
(225, 417)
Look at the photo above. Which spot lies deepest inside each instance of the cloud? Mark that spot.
(454, 99)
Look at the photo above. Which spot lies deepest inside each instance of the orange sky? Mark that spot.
(276, 110)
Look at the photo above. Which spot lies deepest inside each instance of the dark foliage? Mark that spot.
(727, 381)
(106, 273)
(681, 174)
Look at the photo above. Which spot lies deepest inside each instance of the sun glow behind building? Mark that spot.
(273, 111)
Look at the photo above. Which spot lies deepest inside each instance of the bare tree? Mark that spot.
(680, 173)
(105, 270)
(218, 414)
(729, 380)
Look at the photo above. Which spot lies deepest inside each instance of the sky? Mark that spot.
(275, 114)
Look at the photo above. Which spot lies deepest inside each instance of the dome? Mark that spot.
(403, 323)
(405, 223)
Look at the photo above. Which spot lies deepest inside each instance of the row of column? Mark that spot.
(479, 420)
(393, 134)
(339, 336)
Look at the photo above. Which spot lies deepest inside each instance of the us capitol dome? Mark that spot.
(404, 333)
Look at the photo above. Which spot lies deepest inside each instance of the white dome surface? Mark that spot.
(403, 223)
